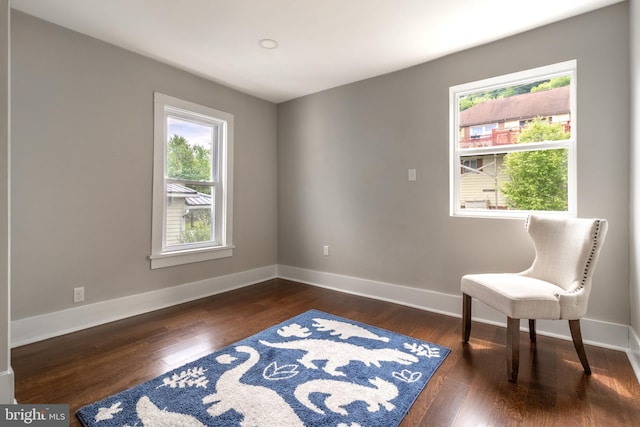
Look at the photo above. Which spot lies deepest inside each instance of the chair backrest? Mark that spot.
(567, 250)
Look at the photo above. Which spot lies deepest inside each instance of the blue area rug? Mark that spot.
(315, 369)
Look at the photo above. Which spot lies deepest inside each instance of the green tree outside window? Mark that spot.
(192, 163)
(537, 180)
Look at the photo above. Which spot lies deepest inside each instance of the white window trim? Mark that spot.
(163, 257)
(513, 79)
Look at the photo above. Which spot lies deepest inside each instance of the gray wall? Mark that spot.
(635, 168)
(336, 163)
(344, 154)
(82, 170)
(6, 377)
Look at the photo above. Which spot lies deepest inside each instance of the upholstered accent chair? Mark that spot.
(556, 286)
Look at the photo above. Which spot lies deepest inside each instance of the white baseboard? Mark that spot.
(25, 331)
(7, 387)
(595, 332)
(37, 328)
(634, 352)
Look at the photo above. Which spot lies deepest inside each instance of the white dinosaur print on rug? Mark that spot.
(315, 369)
(339, 394)
(339, 354)
(258, 405)
(346, 330)
(151, 415)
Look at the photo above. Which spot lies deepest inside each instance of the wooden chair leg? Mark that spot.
(532, 330)
(576, 334)
(513, 348)
(466, 317)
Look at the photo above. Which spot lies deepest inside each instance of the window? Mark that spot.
(513, 144)
(483, 130)
(192, 183)
(471, 166)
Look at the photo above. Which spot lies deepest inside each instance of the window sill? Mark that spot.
(169, 259)
(505, 214)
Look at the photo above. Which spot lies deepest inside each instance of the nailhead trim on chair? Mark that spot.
(585, 275)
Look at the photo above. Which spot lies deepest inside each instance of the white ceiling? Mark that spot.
(322, 43)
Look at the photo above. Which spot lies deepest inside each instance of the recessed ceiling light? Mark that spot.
(268, 44)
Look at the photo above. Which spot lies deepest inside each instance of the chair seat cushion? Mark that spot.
(518, 297)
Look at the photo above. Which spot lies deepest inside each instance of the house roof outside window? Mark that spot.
(518, 107)
(192, 197)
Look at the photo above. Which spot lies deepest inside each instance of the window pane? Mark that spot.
(480, 180)
(537, 180)
(535, 112)
(189, 150)
(188, 214)
(523, 180)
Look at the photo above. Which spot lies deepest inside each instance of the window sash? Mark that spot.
(218, 132)
(214, 210)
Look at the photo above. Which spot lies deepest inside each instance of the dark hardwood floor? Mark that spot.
(469, 389)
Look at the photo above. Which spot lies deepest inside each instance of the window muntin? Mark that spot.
(193, 147)
(520, 129)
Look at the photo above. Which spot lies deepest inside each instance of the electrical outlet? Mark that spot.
(326, 250)
(78, 294)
